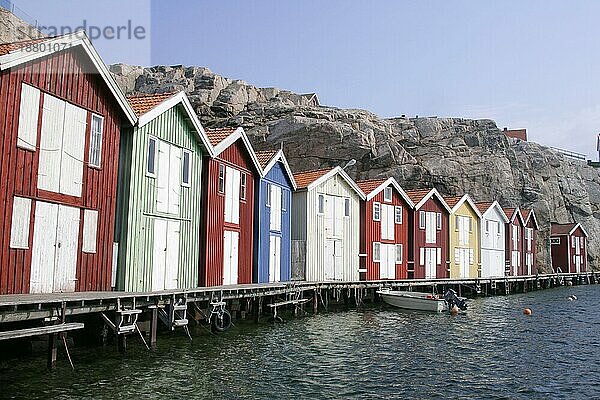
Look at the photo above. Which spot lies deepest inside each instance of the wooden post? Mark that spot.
(153, 326)
(52, 350)
(315, 302)
(122, 343)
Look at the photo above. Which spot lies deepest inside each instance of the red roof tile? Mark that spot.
(264, 157)
(217, 135)
(452, 201)
(143, 103)
(417, 195)
(561, 229)
(367, 186)
(305, 178)
(6, 48)
(483, 207)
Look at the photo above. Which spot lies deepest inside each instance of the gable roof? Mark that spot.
(565, 229)
(269, 158)
(513, 213)
(419, 197)
(372, 187)
(308, 180)
(222, 138)
(530, 214)
(14, 54)
(456, 202)
(150, 106)
(485, 207)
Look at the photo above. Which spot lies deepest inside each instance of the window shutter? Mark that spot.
(28, 117)
(422, 256)
(19, 229)
(376, 251)
(90, 228)
(439, 256)
(471, 256)
(399, 249)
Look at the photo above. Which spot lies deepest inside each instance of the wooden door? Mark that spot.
(338, 258)
(274, 258)
(67, 240)
(44, 248)
(53, 114)
(430, 263)
(230, 257)
(464, 261)
(430, 227)
(387, 222)
(338, 225)
(391, 261)
(55, 245)
(162, 177)
(328, 260)
(159, 254)
(275, 217)
(232, 195)
(73, 149)
(172, 255)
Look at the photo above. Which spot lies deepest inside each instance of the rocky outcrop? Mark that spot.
(14, 29)
(454, 155)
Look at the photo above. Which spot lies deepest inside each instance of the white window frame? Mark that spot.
(221, 182)
(28, 120)
(421, 219)
(243, 185)
(399, 252)
(347, 207)
(376, 211)
(90, 247)
(376, 252)
(387, 194)
(189, 168)
(321, 204)
(283, 199)
(92, 137)
(154, 156)
(398, 211)
(268, 200)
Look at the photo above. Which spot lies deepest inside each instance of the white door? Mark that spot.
(464, 262)
(55, 244)
(338, 260)
(67, 240)
(274, 258)
(329, 259)
(391, 261)
(230, 257)
(275, 216)
(338, 224)
(387, 222)
(172, 255)
(44, 248)
(174, 186)
(430, 227)
(162, 177)
(159, 254)
(430, 263)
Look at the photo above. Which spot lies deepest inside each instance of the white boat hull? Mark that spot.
(413, 301)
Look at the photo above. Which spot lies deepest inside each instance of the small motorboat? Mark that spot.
(423, 301)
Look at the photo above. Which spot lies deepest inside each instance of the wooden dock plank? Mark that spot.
(41, 330)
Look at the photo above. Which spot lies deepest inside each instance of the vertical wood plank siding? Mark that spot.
(276, 176)
(138, 193)
(433, 205)
(213, 226)
(371, 232)
(70, 76)
(514, 270)
(465, 210)
(315, 230)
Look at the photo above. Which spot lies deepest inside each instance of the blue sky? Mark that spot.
(525, 64)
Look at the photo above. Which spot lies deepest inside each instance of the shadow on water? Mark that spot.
(491, 351)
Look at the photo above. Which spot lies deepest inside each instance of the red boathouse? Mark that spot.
(430, 235)
(568, 245)
(228, 209)
(61, 121)
(384, 220)
(529, 241)
(514, 241)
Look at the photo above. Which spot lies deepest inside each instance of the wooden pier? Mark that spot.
(174, 308)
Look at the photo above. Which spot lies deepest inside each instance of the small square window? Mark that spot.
(376, 211)
(321, 204)
(376, 252)
(387, 194)
(221, 178)
(187, 168)
(243, 186)
(151, 162)
(346, 207)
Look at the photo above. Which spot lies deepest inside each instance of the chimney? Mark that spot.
(505, 129)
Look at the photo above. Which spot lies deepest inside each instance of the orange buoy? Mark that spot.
(527, 311)
(454, 310)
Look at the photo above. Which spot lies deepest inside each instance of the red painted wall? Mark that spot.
(70, 76)
(562, 254)
(520, 245)
(442, 239)
(213, 226)
(371, 232)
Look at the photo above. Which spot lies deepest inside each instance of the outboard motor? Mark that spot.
(453, 300)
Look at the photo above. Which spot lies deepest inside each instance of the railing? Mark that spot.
(570, 154)
(9, 6)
